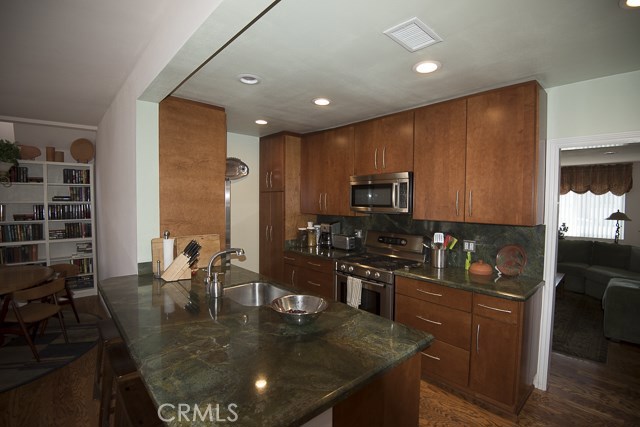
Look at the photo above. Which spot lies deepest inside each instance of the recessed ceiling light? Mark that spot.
(261, 122)
(249, 79)
(629, 4)
(426, 67)
(321, 101)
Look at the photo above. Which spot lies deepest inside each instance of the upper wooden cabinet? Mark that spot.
(326, 165)
(384, 145)
(272, 162)
(505, 155)
(439, 157)
(481, 159)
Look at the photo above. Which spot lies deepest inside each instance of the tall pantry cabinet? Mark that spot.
(280, 215)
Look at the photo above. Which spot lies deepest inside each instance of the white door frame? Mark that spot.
(552, 194)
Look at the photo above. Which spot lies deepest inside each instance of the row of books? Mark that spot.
(85, 264)
(80, 211)
(84, 248)
(80, 194)
(80, 282)
(76, 176)
(19, 174)
(21, 232)
(72, 230)
(16, 254)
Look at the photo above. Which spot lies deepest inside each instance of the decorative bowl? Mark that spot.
(299, 309)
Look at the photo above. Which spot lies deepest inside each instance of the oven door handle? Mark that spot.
(365, 284)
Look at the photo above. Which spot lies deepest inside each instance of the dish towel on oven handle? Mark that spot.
(354, 292)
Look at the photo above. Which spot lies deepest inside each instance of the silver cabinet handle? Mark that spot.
(501, 310)
(271, 179)
(457, 202)
(429, 356)
(266, 233)
(293, 275)
(271, 232)
(314, 264)
(470, 202)
(313, 283)
(384, 152)
(266, 179)
(429, 293)
(320, 202)
(478, 339)
(430, 321)
(325, 202)
(289, 258)
(375, 159)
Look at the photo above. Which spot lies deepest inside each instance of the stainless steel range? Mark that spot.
(384, 253)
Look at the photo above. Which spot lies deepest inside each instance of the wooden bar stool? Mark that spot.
(134, 406)
(118, 367)
(108, 335)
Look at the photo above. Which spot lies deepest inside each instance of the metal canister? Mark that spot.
(302, 237)
(311, 237)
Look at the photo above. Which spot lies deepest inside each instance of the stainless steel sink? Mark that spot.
(254, 293)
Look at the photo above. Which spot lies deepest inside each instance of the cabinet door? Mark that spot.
(439, 161)
(311, 173)
(494, 359)
(271, 234)
(338, 149)
(502, 156)
(272, 163)
(384, 145)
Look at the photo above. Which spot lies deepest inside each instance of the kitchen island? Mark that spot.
(250, 367)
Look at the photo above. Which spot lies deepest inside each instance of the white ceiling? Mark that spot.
(68, 58)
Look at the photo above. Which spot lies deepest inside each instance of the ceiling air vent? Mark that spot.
(413, 35)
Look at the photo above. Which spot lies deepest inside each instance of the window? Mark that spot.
(585, 214)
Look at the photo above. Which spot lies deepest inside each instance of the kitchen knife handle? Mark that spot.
(375, 159)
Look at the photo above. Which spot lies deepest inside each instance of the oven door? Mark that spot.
(377, 298)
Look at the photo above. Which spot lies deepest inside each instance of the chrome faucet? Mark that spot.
(212, 284)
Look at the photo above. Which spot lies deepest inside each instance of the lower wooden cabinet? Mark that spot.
(485, 347)
(309, 274)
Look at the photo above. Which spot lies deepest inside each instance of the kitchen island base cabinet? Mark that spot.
(309, 274)
(392, 400)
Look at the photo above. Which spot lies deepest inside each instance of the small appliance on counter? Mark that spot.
(344, 242)
(327, 231)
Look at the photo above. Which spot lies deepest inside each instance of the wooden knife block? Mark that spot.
(210, 244)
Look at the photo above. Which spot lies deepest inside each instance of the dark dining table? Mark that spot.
(18, 277)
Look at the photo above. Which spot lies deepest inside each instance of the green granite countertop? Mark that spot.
(217, 355)
(514, 288)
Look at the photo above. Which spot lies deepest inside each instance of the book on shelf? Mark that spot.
(21, 232)
(76, 176)
(19, 174)
(62, 211)
(19, 254)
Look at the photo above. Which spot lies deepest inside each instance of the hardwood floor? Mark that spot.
(580, 393)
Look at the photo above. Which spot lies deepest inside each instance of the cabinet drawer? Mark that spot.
(293, 258)
(317, 264)
(503, 310)
(446, 324)
(445, 361)
(439, 294)
(314, 282)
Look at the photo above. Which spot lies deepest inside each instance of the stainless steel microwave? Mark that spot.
(382, 193)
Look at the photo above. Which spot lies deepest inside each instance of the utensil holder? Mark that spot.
(438, 258)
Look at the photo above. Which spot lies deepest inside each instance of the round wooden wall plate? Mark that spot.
(82, 150)
(28, 152)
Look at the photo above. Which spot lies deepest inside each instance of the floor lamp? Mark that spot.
(617, 217)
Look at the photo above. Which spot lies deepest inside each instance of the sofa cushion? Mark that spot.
(574, 251)
(602, 274)
(634, 259)
(572, 268)
(611, 255)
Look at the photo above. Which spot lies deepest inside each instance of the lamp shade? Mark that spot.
(618, 216)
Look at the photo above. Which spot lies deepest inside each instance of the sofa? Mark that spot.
(589, 266)
(621, 304)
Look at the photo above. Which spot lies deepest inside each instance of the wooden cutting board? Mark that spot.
(210, 245)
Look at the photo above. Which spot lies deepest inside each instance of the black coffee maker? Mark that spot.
(327, 230)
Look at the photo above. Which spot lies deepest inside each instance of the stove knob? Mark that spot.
(376, 275)
(367, 273)
(350, 269)
(343, 267)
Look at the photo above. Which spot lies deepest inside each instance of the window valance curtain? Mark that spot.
(599, 179)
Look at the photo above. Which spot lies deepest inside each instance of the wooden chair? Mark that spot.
(41, 304)
(66, 296)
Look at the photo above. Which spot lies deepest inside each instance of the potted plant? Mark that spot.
(9, 154)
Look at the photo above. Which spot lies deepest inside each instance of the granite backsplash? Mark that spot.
(489, 238)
